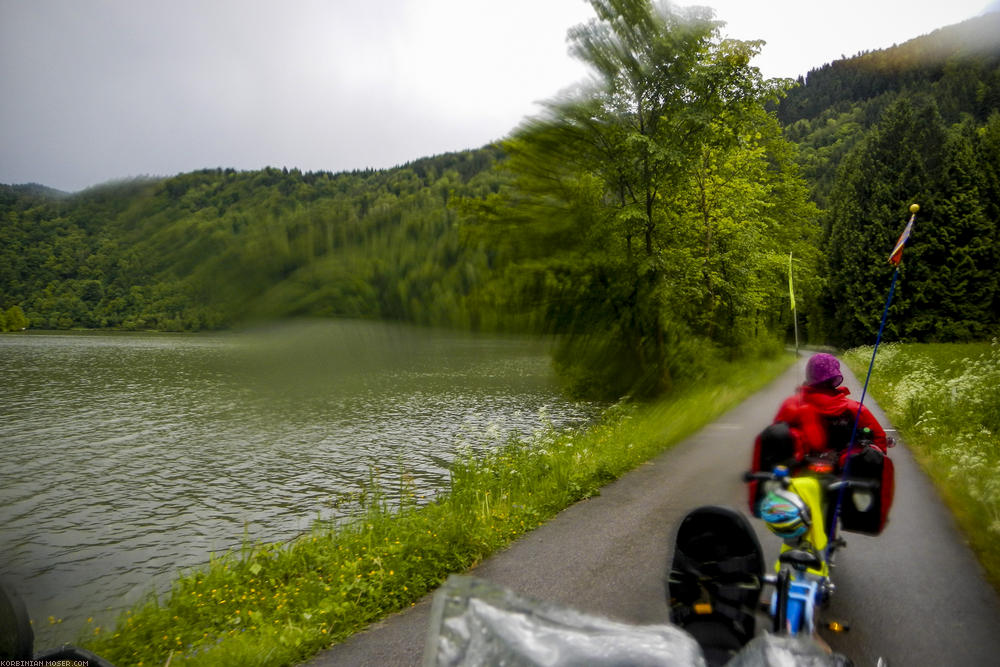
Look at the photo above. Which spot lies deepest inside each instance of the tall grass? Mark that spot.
(279, 604)
(945, 400)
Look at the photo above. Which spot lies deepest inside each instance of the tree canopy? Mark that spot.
(914, 123)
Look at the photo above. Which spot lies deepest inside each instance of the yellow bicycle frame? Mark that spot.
(810, 490)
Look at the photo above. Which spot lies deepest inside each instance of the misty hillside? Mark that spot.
(216, 247)
(956, 64)
(957, 69)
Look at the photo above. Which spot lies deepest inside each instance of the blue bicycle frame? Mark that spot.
(801, 597)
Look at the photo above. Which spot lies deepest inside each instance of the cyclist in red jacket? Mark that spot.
(820, 416)
(817, 422)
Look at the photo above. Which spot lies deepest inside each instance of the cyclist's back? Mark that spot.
(820, 416)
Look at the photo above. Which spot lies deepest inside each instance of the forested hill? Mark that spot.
(917, 122)
(210, 248)
(956, 67)
(957, 63)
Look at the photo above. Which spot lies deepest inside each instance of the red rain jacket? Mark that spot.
(805, 411)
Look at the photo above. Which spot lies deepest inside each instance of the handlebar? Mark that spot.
(783, 477)
(851, 483)
(751, 475)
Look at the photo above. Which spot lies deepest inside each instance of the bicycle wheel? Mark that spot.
(16, 636)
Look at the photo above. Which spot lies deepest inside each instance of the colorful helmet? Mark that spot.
(785, 514)
(823, 368)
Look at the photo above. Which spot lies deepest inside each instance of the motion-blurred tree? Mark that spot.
(639, 203)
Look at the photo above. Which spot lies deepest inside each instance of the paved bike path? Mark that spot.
(914, 595)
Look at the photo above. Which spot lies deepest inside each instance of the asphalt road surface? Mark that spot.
(913, 596)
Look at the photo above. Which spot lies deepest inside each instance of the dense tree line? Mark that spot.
(917, 122)
(959, 62)
(948, 285)
(834, 106)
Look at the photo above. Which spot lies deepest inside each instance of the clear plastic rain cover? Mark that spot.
(769, 650)
(474, 622)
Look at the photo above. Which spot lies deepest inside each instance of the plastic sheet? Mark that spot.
(776, 651)
(474, 622)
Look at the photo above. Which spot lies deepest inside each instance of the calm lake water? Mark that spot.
(125, 458)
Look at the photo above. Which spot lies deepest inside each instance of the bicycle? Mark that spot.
(795, 509)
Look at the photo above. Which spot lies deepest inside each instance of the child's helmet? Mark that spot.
(786, 515)
(823, 368)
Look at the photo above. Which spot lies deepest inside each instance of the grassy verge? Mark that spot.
(279, 604)
(945, 400)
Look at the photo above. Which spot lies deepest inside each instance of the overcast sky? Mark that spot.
(95, 90)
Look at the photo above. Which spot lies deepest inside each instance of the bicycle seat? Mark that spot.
(801, 559)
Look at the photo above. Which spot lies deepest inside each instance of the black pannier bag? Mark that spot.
(864, 511)
(774, 446)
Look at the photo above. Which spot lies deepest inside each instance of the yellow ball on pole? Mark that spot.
(914, 208)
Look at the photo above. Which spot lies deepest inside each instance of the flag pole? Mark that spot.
(791, 297)
(895, 258)
(795, 319)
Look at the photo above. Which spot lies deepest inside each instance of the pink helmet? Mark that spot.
(823, 368)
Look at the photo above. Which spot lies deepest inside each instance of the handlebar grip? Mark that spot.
(855, 484)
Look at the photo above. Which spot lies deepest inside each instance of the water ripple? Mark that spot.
(127, 458)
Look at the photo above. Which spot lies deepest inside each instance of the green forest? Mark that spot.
(648, 218)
